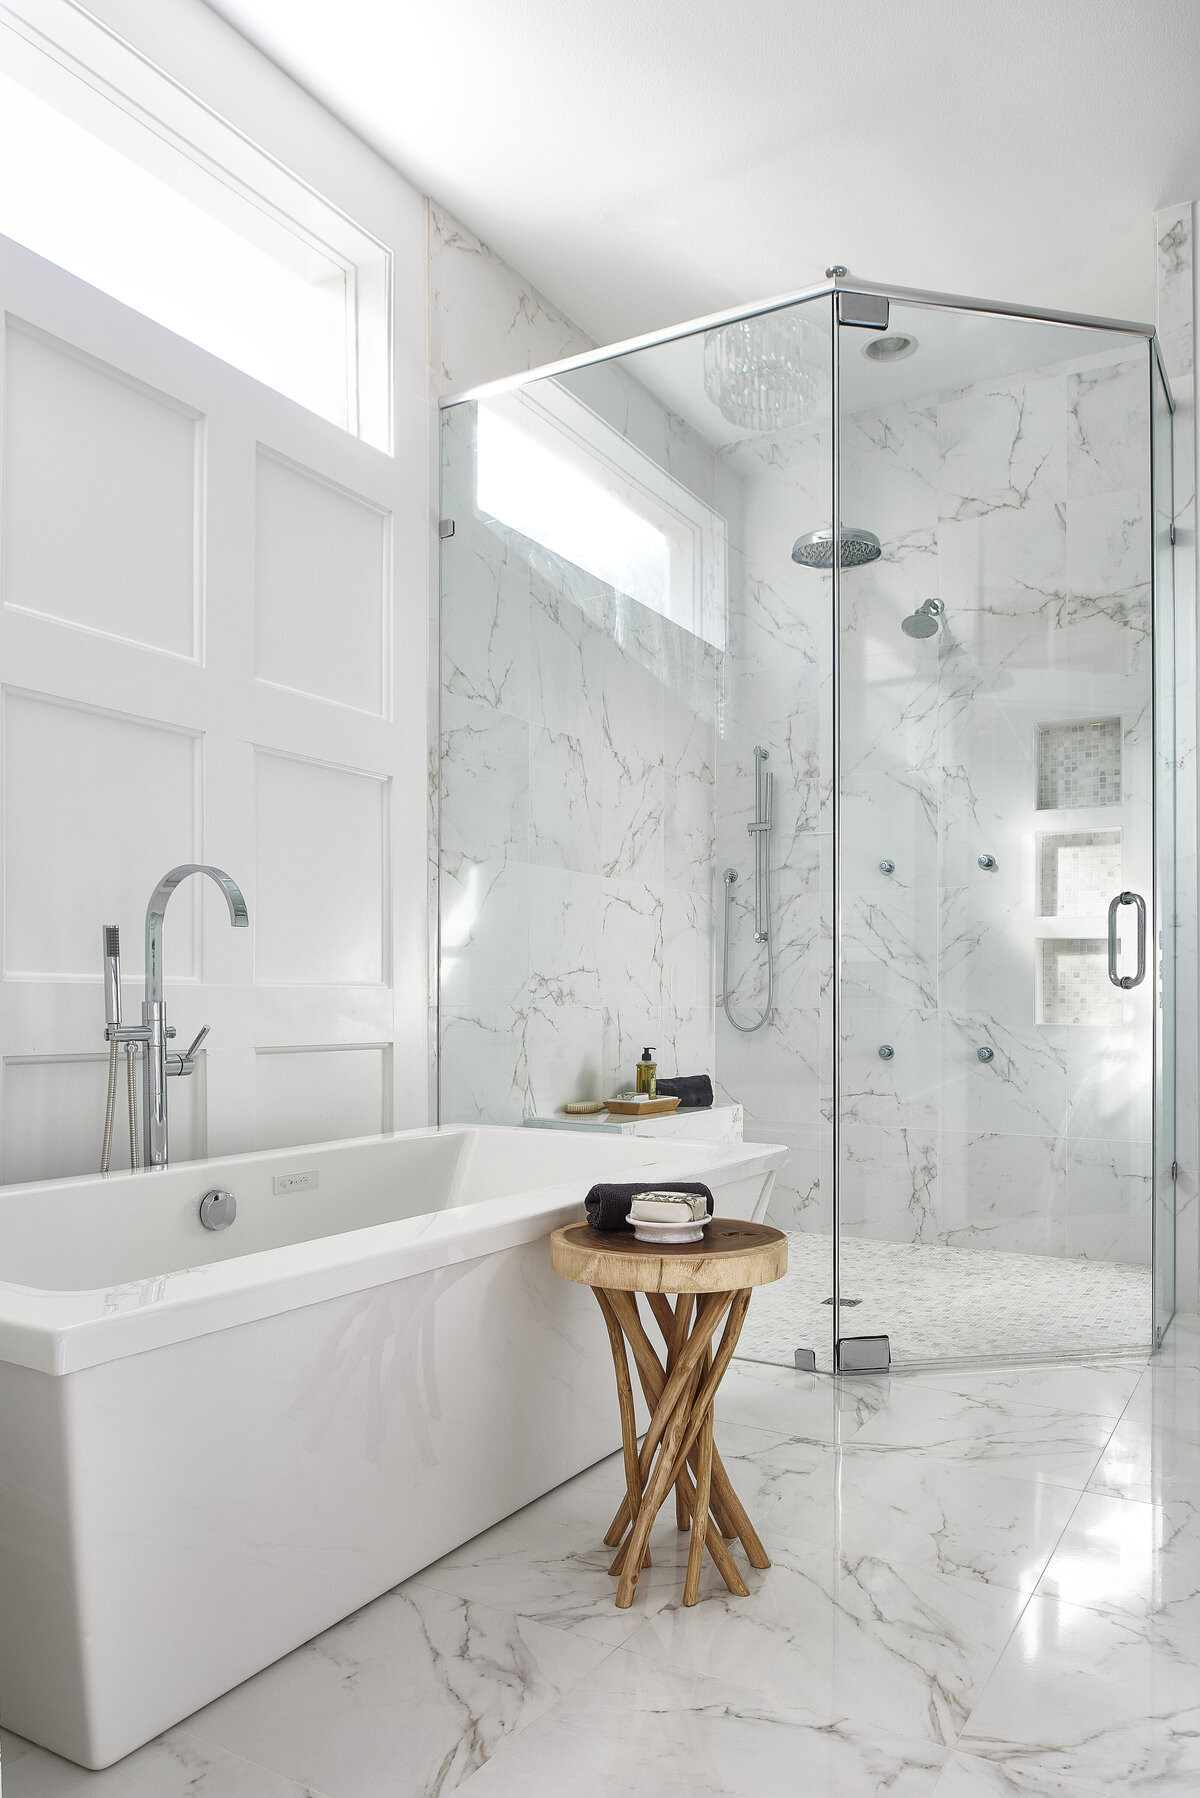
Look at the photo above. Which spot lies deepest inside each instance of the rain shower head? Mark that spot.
(815, 548)
(924, 621)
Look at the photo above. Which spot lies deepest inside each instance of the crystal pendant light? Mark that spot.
(767, 373)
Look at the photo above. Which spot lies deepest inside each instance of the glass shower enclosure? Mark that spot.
(806, 691)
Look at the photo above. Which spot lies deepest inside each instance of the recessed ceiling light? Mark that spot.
(889, 349)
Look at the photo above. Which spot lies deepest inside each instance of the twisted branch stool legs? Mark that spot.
(680, 1389)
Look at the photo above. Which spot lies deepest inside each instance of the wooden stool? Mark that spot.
(715, 1277)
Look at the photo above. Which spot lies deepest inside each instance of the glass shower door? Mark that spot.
(1162, 449)
(996, 840)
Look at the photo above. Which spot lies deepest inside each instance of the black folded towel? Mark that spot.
(608, 1205)
(694, 1091)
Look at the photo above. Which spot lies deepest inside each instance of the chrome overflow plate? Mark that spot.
(217, 1209)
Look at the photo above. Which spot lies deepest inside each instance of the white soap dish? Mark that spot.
(689, 1230)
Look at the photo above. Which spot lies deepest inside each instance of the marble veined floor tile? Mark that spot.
(974, 1522)
(809, 1407)
(634, 1729)
(1129, 1559)
(1168, 1396)
(1032, 1441)
(548, 1562)
(1149, 1459)
(893, 1647)
(1099, 1389)
(1106, 1705)
(1022, 1774)
(557, 1574)
(175, 1765)
(406, 1698)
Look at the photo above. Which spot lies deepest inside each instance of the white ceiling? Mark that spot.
(646, 161)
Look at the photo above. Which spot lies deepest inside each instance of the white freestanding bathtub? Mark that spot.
(215, 1445)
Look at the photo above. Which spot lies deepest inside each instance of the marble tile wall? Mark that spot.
(485, 322)
(777, 692)
(1021, 503)
(575, 764)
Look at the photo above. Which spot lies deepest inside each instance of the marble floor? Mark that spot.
(986, 1584)
(936, 1303)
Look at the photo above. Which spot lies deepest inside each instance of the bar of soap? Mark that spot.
(667, 1208)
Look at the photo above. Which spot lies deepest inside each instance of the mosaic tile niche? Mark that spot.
(1075, 984)
(1079, 764)
(1078, 871)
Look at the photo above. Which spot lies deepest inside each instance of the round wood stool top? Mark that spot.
(733, 1256)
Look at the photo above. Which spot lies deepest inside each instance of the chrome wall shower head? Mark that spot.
(815, 548)
(924, 621)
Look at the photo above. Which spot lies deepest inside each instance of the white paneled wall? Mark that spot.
(196, 651)
(102, 503)
(312, 1095)
(322, 873)
(321, 610)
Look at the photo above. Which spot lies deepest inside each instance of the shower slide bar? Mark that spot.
(759, 829)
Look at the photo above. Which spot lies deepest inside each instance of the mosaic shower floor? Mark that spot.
(936, 1302)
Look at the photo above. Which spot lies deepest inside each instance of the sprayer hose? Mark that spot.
(110, 1106)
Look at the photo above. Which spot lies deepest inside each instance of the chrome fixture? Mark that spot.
(112, 1016)
(218, 1209)
(924, 621)
(152, 1033)
(837, 271)
(863, 1354)
(767, 372)
(1127, 980)
(986, 1054)
(886, 1051)
(760, 831)
(815, 548)
(887, 867)
(987, 863)
(892, 348)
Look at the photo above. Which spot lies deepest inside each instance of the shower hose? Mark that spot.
(746, 1029)
(110, 1108)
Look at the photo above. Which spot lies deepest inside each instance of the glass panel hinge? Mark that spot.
(1174, 1170)
(445, 527)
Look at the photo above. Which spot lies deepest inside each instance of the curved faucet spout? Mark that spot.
(239, 917)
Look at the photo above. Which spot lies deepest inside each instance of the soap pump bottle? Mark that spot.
(647, 1075)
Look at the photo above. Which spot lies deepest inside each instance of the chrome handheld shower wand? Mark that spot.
(760, 833)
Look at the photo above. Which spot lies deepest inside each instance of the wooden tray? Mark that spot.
(642, 1108)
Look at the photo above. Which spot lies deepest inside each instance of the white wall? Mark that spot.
(285, 790)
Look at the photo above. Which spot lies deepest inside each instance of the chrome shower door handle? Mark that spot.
(1125, 981)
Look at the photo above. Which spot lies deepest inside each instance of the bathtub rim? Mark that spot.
(60, 1331)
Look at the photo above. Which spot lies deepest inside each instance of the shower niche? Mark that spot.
(929, 595)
